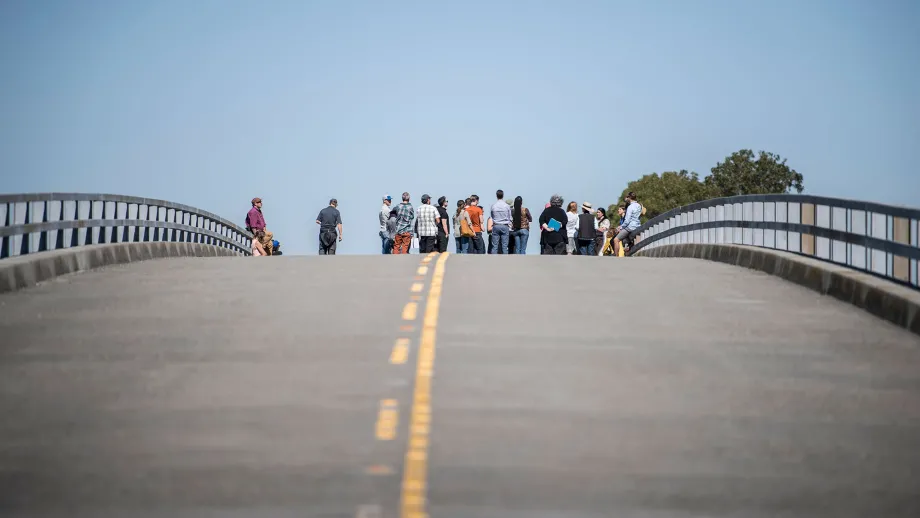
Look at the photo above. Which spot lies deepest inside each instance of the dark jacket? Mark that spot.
(558, 236)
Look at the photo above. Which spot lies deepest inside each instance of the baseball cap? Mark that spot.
(387, 197)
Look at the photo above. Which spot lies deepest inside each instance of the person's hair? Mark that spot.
(405, 196)
(572, 205)
(474, 197)
(460, 206)
(603, 211)
(621, 207)
(333, 201)
(441, 201)
(517, 215)
(556, 201)
(468, 201)
(499, 194)
(426, 198)
(631, 195)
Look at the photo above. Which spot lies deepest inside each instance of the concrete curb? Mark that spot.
(897, 304)
(28, 270)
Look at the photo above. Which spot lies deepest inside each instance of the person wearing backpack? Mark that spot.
(463, 227)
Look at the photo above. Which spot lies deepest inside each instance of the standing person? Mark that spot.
(586, 230)
(428, 221)
(329, 220)
(405, 215)
(386, 245)
(444, 226)
(392, 222)
(463, 227)
(630, 221)
(501, 223)
(603, 225)
(520, 223)
(554, 239)
(475, 212)
(255, 223)
(571, 223)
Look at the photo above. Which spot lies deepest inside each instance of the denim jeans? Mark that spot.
(385, 243)
(457, 244)
(585, 247)
(477, 244)
(520, 240)
(463, 243)
(500, 239)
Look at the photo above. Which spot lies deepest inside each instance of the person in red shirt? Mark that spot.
(255, 223)
(475, 212)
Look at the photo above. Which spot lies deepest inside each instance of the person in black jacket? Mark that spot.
(586, 230)
(554, 240)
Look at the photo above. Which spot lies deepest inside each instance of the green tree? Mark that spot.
(745, 173)
(659, 194)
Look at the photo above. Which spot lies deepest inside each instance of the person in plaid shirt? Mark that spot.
(404, 216)
(428, 221)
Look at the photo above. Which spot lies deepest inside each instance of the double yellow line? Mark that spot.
(413, 498)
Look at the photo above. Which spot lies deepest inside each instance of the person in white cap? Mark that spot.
(386, 244)
(586, 230)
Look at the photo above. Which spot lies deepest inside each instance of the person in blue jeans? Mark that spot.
(462, 219)
(520, 223)
(501, 223)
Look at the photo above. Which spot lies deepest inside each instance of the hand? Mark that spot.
(340, 238)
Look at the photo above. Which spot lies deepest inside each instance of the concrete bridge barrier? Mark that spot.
(49, 234)
(861, 252)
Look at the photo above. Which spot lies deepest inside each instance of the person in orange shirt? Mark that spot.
(475, 212)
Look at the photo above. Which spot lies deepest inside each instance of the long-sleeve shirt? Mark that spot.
(501, 213)
(558, 236)
(384, 216)
(632, 216)
(255, 220)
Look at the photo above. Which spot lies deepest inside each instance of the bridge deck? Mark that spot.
(568, 387)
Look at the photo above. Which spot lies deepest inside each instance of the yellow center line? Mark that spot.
(387, 419)
(413, 497)
(417, 287)
(400, 351)
(422, 270)
(410, 311)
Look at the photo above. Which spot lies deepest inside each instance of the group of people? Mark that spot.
(507, 227)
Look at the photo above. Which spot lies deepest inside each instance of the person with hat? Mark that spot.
(255, 223)
(586, 229)
(386, 244)
(329, 220)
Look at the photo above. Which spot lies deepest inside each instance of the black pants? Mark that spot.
(427, 244)
(328, 250)
(443, 239)
(557, 249)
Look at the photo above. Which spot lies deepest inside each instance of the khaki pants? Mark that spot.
(266, 241)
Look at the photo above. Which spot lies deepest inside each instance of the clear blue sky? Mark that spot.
(211, 102)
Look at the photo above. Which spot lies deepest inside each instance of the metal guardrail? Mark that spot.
(872, 237)
(32, 223)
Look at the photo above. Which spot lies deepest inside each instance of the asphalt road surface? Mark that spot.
(461, 387)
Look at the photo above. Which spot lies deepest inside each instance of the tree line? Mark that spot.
(743, 172)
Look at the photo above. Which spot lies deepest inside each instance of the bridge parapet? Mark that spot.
(871, 237)
(39, 222)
